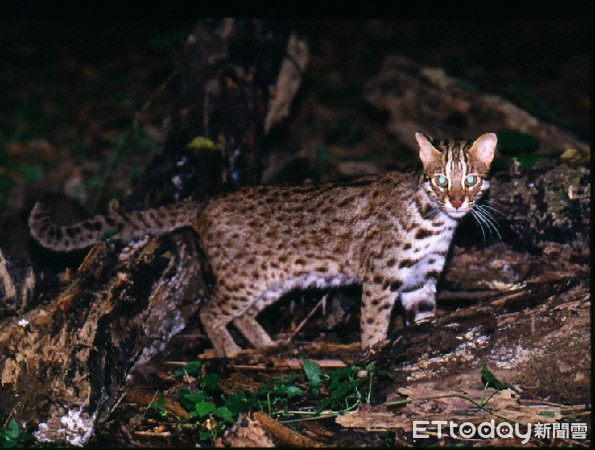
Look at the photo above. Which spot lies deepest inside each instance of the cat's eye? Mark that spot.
(440, 180)
(470, 180)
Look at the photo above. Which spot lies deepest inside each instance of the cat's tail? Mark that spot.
(116, 225)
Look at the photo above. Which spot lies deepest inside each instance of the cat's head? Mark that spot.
(456, 171)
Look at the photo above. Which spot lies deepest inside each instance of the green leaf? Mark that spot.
(32, 173)
(344, 131)
(385, 374)
(204, 408)
(286, 391)
(513, 142)
(338, 376)
(530, 102)
(256, 403)
(348, 387)
(293, 391)
(312, 371)
(192, 369)
(547, 414)
(322, 152)
(6, 183)
(109, 234)
(188, 400)
(490, 380)
(201, 142)
(526, 159)
(236, 403)
(223, 413)
(12, 430)
(157, 403)
(211, 382)
(206, 436)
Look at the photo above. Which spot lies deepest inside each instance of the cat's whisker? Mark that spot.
(490, 216)
(489, 220)
(482, 219)
(485, 224)
(473, 213)
(493, 209)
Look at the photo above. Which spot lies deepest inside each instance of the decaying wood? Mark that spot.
(63, 364)
(418, 97)
(534, 335)
(22, 286)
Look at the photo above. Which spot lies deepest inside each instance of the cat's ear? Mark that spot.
(484, 148)
(427, 152)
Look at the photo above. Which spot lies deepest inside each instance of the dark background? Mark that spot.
(71, 91)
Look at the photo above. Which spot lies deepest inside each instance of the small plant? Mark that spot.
(214, 409)
(31, 173)
(11, 437)
(490, 381)
(513, 142)
(158, 405)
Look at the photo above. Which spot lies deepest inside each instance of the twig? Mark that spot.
(292, 364)
(10, 415)
(310, 314)
(150, 403)
(284, 434)
(506, 298)
(571, 442)
(153, 433)
(436, 397)
(176, 363)
(113, 408)
(559, 405)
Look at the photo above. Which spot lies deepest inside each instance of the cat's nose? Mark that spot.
(456, 203)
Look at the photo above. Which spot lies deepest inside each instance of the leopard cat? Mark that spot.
(389, 233)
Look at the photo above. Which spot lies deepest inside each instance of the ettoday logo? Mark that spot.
(503, 430)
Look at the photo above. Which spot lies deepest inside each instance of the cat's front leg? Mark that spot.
(378, 298)
(419, 300)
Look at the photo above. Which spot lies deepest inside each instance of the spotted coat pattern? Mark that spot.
(389, 233)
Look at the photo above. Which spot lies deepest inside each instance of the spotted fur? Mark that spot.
(389, 233)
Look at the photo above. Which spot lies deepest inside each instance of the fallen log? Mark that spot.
(64, 362)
